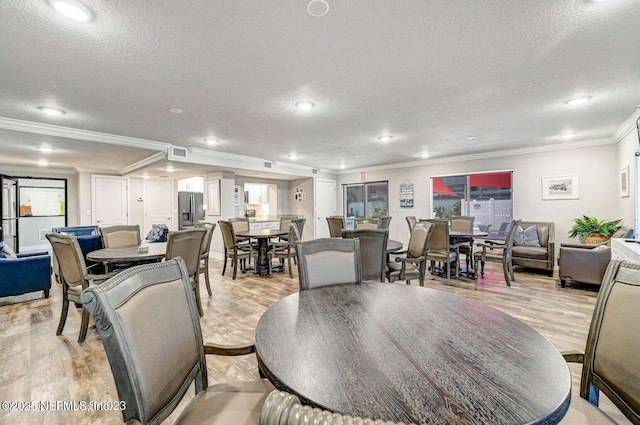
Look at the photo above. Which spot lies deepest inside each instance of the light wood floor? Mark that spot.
(37, 365)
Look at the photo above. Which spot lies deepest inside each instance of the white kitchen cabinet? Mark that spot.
(256, 193)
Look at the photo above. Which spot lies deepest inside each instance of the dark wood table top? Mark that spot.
(157, 250)
(411, 354)
(262, 233)
(464, 233)
(393, 246)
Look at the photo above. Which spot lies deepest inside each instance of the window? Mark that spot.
(487, 197)
(366, 200)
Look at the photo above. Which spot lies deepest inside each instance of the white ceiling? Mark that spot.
(429, 73)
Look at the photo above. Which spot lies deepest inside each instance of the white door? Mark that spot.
(325, 206)
(110, 200)
(157, 203)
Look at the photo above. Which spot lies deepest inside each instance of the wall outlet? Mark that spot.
(88, 212)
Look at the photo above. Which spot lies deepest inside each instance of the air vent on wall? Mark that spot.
(267, 164)
(178, 152)
(314, 171)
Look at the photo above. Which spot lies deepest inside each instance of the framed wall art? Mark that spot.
(561, 187)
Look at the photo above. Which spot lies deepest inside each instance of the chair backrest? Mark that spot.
(328, 261)
(294, 235)
(611, 361)
(300, 223)
(383, 222)
(336, 224)
(366, 223)
(462, 223)
(186, 244)
(77, 230)
(373, 250)
(546, 231)
(240, 224)
(419, 240)
(510, 236)
(285, 220)
(228, 234)
(122, 235)
(411, 221)
(439, 239)
(148, 322)
(283, 408)
(206, 242)
(70, 259)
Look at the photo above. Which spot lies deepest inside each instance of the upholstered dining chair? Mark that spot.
(383, 222)
(281, 408)
(465, 224)
(328, 261)
(610, 362)
(241, 224)
(412, 263)
(285, 220)
(300, 222)
(205, 250)
(336, 224)
(440, 248)
(148, 321)
(121, 235)
(74, 277)
(187, 244)
(233, 249)
(500, 251)
(287, 249)
(366, 223)
(373, 251)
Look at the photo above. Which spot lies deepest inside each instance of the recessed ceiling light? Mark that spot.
(424, 155)
(169, 169)
(317, 8)
(356, 156)
(175, 110)
(342, 167)
(292, 156)
(45, 149)
(568, 135)
(211, 141)
(43, 162)
(72, 9)
(145, 176)
(578, 100)
(304, 106)
(51, 111)
(471, 137)
(385, 138)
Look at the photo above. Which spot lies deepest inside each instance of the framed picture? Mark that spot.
(624, 182)
(213, 197)
(561, 187)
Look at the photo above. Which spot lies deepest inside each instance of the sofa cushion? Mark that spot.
(530, 252)
(7, 252)
(527, 237)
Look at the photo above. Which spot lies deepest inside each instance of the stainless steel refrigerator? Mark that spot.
(190, 209)
(9, 212)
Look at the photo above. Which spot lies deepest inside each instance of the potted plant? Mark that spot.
(594, 231)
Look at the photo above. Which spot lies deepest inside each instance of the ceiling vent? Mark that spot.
(314, 171)
(267, 164)
(178, 153)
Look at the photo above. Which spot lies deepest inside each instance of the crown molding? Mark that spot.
(37, 170)
(143, 163)
(486, 155)
(74, 133)
(627, 127)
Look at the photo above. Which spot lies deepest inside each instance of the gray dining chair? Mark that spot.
(464, 224)
(235, 250)
(74, 276)
(205, 250)
(328, 261)
(440, 248)
(187, 244)
(412, 263)
(366, 223)
(148, 321)
(287, 248)
(610, 361)
(383, 222)
(281, 408)
(499, 251)
(373, 251)
(121, 235)
(336, 224)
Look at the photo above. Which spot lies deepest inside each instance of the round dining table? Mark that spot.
(411, 354)
(135, 254)
(263, 236)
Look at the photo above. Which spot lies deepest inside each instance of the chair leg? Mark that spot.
(224, 266)
(234, 263)
(83, 326)
(506, 271)
(196, 289)
(206, 275)
(290, 270)
(63, 313)
(46, 293)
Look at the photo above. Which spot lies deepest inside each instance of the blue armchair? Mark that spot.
(30, 272)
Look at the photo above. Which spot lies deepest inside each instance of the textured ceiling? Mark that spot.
(429, 73)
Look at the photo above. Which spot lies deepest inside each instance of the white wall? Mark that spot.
(597, 167)
(626, 157)
(304, 209)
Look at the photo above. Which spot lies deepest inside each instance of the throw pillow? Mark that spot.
(158, 233)
(527, 237)
(7, 251)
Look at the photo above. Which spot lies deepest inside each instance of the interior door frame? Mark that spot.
(171, 202)
(93, 195)
(315, 201)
